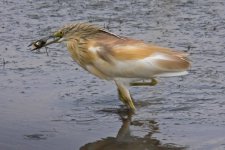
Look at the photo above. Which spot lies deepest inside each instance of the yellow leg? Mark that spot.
(124, 96)
(152, 83)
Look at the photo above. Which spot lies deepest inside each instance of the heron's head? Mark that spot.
(66, 33)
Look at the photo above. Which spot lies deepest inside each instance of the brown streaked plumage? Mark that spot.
(112, 57)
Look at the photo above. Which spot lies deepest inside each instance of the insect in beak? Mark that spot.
(43, 42)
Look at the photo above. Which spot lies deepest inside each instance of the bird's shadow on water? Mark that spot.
(126, 140)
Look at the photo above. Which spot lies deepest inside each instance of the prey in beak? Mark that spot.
(43, 42)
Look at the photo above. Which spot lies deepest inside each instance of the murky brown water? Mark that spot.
(49, 102)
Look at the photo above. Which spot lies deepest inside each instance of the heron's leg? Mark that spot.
(152, 83)
(125, 96)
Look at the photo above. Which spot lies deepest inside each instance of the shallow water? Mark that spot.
(49, 102)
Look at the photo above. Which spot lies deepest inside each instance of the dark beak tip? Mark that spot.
(33, 49)
(29, 45)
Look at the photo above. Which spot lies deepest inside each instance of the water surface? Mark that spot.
(49, 102)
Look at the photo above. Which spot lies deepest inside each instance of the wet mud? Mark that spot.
(48, 102)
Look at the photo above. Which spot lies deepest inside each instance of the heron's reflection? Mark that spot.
(125, 140)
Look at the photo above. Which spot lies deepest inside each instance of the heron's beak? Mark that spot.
(45, 42)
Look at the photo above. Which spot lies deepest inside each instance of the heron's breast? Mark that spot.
(72, 48)
(80, 53)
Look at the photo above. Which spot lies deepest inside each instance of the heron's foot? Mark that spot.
(127, 101)
(152, 83)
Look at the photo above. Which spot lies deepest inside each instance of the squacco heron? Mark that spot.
(123, 60)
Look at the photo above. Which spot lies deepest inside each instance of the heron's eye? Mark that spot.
(58, 34)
